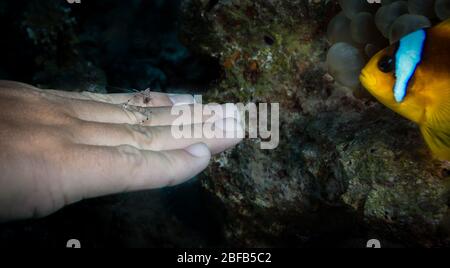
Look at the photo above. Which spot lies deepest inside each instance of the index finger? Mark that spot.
(144, 98)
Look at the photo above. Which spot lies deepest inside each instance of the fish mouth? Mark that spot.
(368, 81)
(363, 76)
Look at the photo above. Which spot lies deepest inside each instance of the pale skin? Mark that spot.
(57, 148)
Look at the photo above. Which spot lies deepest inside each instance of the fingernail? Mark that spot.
(228, 110)
(178, 100)
(229, 125)
(199, 150)
(232, 111)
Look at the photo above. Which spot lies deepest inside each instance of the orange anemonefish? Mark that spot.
(412, 78)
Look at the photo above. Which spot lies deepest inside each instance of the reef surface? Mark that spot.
(347, 168)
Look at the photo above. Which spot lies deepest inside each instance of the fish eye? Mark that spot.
(386, 64)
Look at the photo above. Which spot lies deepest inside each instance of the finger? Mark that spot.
(218, 136)
(190, 114)
(145, 98)
(156, 116)
(109, 170)
(15, 85)
(88, 110)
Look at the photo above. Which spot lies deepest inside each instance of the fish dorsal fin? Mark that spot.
(436, 125)
(443, 26)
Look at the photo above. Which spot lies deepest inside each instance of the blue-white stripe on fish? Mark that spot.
(407, 58)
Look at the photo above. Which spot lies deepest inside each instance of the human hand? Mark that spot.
(59, 147)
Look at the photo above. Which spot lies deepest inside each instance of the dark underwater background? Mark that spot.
(347, 169)
(108, 46)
